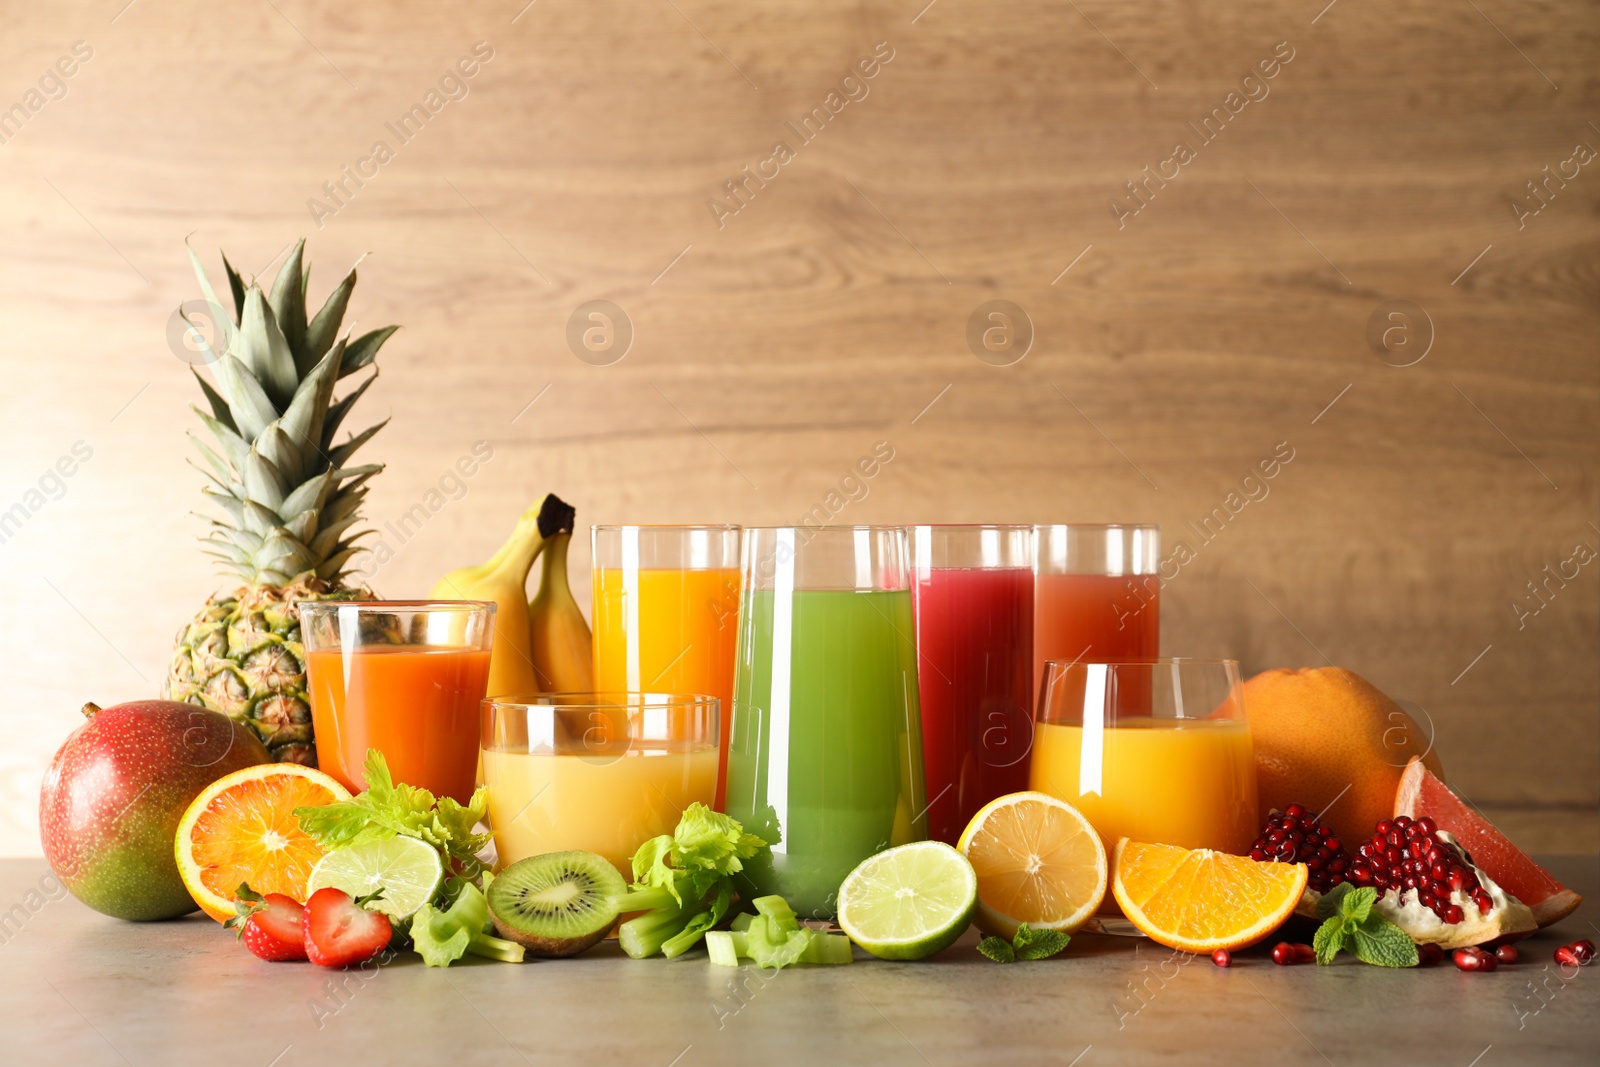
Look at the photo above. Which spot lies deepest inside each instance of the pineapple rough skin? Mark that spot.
(243, 656)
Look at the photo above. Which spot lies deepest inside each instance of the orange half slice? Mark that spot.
(241, 828)
(1197, 900)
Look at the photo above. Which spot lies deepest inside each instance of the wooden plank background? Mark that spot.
(1171, 352)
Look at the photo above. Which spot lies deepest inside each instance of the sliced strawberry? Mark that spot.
(269, 926)
(339, 932)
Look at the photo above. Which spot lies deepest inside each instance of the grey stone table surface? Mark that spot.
(80, 989)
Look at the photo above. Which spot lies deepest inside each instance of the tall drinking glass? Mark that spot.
(403, 677)
(1157, 751)
(1096, 594)
(604, 772)
(973, 594)
(666, 614)
(826, 757)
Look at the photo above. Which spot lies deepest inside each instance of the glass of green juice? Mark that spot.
(825, 761)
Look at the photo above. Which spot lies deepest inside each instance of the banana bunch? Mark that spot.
(541, 644)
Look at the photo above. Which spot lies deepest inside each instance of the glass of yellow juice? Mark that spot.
(666, 613)
(1156, 750)
(603, 771)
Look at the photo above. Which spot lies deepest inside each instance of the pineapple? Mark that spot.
(289, 494)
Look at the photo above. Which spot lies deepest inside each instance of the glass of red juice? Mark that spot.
(1096, 594)
(972, 591)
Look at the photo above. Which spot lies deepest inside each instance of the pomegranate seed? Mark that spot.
(1427, 826)
(1401, 821)
(1296, 836)
(1292, 953)
(1222, 958)
(1453, 914)
(1458, 880)
(1483, 900)
(1584, 950)
(1506, 954)
(1474, 959)
(1428, 955)
(1383, 828)
(1564, 956)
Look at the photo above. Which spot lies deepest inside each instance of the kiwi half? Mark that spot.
(558, 904)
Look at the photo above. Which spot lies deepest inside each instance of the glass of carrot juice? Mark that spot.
(604, 772)
(1154, 750)
(404, 677)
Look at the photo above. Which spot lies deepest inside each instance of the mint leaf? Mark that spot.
(1356, 905)
(1042, 945)
(1381, 942)
(997, 949)
(1330, 938)
(1328, 903)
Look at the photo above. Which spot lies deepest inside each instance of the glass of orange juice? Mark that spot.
(666, 614)
(598, 771)
(404, 677)
(1156, 750)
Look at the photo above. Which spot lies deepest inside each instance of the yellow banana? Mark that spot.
(504, 580)
(563, 656)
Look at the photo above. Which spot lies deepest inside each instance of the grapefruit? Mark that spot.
(1329, 739)
(114, 793)
(1422, 793)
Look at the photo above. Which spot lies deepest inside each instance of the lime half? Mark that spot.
(909, 902)
(408, 871)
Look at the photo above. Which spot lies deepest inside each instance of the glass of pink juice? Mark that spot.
(1097, 596)
(972, 593)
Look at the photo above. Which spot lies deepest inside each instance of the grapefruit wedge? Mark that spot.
(1422, 793)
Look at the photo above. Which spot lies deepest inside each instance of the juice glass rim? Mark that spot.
(398, 605)
(830, 528)
(971, 526)
(722, 526)
(597, 699)
(1096, 526)
(1147, 661)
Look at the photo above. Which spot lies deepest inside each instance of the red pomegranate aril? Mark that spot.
(1296, 836)
(1429, 955)
(1584, 950)
(1453, 914)
(1383, 828)
(1473, 959)
(1286, 954)
(1426, 825)
(1506, 954)
(1483, 900)
(1222, 958)
(1564, 956)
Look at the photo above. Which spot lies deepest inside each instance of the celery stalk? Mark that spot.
(721, 948)
(643, 936)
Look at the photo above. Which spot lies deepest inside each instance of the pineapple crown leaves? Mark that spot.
(287, 490)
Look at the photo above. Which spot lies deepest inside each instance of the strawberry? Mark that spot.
(338, 931)
(269, 926)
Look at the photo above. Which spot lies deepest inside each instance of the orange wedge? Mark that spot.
(1197, 900)
(241, 828)
(1038, 862)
